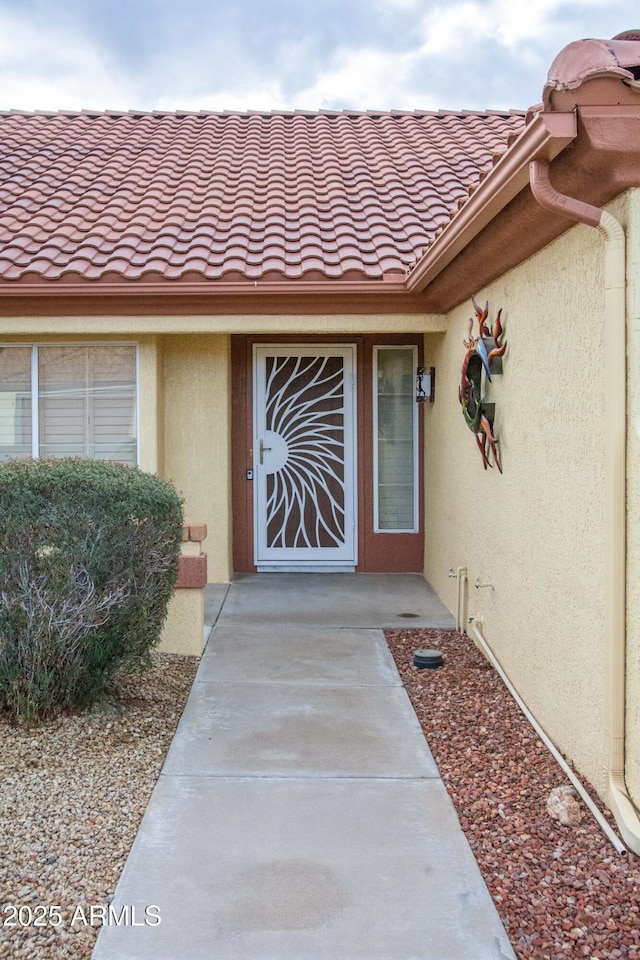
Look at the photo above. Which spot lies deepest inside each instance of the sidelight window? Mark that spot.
(395, 425)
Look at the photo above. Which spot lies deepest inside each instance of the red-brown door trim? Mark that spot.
(377, 552)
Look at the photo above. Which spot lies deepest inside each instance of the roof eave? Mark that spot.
(213, 288)
(543, 138)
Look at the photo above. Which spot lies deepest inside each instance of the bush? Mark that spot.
(88, 562)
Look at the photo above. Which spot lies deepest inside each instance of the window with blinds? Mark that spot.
(75, 401)
(395, 425)
(15, 402)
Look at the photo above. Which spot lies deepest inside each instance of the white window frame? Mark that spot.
(416, 473)
(35, 381)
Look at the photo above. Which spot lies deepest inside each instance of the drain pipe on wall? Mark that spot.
(475, 629)
(615, 483)
(461, 597)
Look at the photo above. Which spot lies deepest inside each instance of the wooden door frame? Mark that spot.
(377, 552)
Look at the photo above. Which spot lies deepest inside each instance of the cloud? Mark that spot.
(249, 54)
(462, 23)
(366, 79)
(55, 69)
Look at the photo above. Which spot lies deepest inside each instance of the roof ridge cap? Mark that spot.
(266, 114)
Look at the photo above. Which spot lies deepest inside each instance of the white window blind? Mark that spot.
(84, 397)
(15, 402)
(87, 402)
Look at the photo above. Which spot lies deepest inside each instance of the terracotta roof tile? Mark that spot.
(191, 196)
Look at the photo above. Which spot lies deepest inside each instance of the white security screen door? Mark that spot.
(304, 455)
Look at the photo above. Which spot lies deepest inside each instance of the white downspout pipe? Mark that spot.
(461, 597)
(623, 809)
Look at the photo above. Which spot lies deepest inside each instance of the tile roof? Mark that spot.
(586, 60)
(113, 197)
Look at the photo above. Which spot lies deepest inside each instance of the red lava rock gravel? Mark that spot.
(562, 892)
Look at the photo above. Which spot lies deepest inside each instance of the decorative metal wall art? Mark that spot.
(484, 352)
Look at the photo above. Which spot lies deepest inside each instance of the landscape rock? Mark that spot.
(73, 792)
(564, 807)
(562, 894)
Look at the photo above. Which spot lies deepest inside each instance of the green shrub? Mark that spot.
(88, 562)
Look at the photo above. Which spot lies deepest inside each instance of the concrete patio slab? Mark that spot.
(241, 729)
(299, 655)
(338, 599)
(371, 870)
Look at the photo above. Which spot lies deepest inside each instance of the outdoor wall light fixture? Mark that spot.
(425, 384)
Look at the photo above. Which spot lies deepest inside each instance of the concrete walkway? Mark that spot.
(299, 814)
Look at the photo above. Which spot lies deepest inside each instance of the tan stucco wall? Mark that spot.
(150, 392)
(293, 324)
(535, 533)
(183, 631)
(633, 497)
(197, 440)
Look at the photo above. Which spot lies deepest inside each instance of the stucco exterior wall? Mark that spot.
(633, 497)
(275, 323)
(197, 440)
(150, 392)
(535, 534)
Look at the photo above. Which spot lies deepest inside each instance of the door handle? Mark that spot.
(262, 450)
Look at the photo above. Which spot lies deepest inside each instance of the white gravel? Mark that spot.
(72, 794)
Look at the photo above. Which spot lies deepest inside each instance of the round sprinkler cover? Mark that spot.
(427, 659)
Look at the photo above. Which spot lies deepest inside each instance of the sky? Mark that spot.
(290, 54)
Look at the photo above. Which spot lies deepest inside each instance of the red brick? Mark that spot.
(197, 532)
(192, 573)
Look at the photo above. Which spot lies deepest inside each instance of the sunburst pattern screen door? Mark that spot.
(304, 452)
